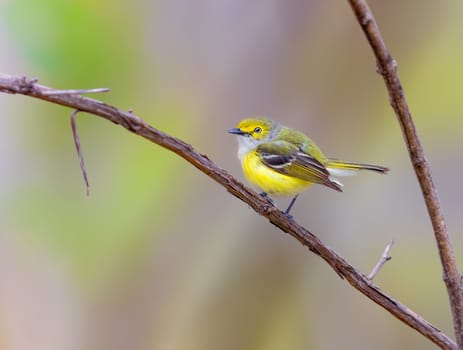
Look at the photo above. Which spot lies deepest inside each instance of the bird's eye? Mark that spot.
(257, 129)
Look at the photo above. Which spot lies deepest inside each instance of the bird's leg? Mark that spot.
(291, 205)
(267, 197)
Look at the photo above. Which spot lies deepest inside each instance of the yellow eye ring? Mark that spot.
(257, 129)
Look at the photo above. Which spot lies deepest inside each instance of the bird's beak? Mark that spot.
(237, 131)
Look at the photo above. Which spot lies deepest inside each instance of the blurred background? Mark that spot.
(161, 257)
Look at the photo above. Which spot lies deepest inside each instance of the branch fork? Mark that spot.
(384, 259)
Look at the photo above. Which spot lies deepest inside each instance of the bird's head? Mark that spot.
(257, 129)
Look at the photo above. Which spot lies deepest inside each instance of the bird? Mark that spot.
(285, 162)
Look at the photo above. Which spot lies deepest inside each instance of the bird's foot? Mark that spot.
(289, 207)
(267, 197)
(288, 215)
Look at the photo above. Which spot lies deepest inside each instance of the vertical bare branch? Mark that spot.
(75, 134)
(387, 67)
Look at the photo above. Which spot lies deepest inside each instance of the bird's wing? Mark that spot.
(288, 159)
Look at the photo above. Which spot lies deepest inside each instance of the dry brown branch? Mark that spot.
(387, 67)
(76, 92)
(133, 123)
(384, 259)
(75, 134)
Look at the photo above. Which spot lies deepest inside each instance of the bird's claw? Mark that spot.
(267, 197)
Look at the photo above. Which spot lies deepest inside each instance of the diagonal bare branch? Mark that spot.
(385, 257)
(387, 67)
(133, 123)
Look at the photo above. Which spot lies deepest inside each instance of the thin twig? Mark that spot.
(135, 124)
(75, 92)
(79, 149)
(387, 67)
(385, 257)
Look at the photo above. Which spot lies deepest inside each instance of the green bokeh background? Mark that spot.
(161, 257)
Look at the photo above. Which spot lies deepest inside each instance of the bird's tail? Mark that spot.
(338, 167)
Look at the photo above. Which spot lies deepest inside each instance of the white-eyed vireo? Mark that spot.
(284, 161)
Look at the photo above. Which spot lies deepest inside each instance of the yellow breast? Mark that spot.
(269, 180)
